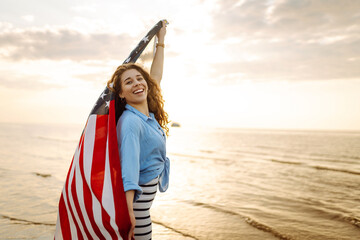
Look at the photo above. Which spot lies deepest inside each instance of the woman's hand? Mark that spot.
(133, 223)
(157, 65)
(129, 200)
(161, 34)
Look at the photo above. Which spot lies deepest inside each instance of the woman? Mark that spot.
(141, 137)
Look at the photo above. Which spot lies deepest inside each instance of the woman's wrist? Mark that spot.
(160, 45)
(161, 38)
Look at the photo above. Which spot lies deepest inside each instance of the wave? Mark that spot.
(340, 155)
(56, 139)
(317, 167)
(352, 159)
(332, 160)
(201, 157)
(286, 162)
(336, 170)
(317, 157)
(263, 155)
(252, 222)
(46, 157)
(270, 147)
(207, 151)
(226, 160)
(333, 212)
(174, 230)
(26, 222)
(352, 220)
(44, 175)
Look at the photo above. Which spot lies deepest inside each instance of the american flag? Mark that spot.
(93, 203)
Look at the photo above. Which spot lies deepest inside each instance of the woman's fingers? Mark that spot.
(161, 34)
(132, 228)
(165, 23)
(131, 233)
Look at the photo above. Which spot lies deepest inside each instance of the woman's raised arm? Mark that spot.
(157, 65)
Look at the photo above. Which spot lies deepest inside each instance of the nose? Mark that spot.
(137, 82)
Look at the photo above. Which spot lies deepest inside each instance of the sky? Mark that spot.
(228, 64)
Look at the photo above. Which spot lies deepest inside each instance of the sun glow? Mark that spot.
(223, 67)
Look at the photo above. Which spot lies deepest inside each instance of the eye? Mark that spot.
(128, 82)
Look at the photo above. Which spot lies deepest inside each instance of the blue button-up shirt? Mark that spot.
(142, 149)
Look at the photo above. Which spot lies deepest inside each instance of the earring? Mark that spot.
(123, 100)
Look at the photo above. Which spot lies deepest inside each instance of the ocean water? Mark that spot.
(225, 183)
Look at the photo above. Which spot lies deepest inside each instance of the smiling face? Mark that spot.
(134, 87)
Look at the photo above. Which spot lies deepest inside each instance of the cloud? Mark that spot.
(280, 69)
(287, 19)
(84, 8)
(25, 82)
(63, 44)
(96, 77)
(292, 40)
(292, 61)
(28, 18)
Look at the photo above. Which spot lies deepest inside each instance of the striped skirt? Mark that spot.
(143, 228)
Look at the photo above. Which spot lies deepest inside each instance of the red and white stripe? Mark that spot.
(93, 203)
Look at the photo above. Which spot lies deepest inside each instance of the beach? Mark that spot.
(224, 183)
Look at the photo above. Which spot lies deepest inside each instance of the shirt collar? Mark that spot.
(138, 113)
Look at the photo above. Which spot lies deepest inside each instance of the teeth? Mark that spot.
(138, 91)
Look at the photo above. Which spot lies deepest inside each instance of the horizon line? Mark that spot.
(187, 126)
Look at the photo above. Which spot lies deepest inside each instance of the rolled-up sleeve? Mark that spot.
(164, 176)
(129, 145)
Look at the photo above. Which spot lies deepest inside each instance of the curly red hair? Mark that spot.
(154, 98)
